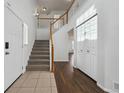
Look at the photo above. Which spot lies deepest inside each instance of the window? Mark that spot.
(25, 34)
(89, 13)
(57, 24)
(87, 25)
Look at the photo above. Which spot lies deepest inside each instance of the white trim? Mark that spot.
(24, 66)
(25, 34)
(61, 61)
(50, 54)
(105, 89)
(75, 66)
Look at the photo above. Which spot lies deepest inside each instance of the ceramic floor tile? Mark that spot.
(34, 82)
(34, 75)
(45, 72)
(53, 82)
(45, 75)
(26, 90)
(43, 83)
(25, 75)
(18, 83)
(54, 90)
(30, 83)
(52, 75)
(43, 90)
(12, 90)
(35, 72)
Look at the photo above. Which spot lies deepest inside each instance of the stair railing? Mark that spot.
(52, 48)
(62, 20)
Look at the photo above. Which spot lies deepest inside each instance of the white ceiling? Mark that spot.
(53, 5)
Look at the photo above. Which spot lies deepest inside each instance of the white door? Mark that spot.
(80, 48)
(86, 47)
(83, 51)
(86, 54)
(13, 48)
(93, 46)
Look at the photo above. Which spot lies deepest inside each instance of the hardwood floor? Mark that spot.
(71, 80)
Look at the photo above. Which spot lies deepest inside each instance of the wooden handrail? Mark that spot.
(66, 13)
(48, 18)
(52, 49)
(70, 5)
(51, 34)
(59, 18)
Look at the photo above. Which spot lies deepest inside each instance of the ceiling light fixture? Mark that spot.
(44, 8)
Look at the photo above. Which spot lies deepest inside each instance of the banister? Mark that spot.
(51, 33)
(59, 18)
(52, 49)
(70, 5)
(66, 13)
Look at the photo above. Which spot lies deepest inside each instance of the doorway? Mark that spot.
(71, 46)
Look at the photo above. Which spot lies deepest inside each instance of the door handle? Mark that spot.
(7, 53)
(81, 50)
(88, 51)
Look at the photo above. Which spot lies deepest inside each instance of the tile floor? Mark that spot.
(34, 82)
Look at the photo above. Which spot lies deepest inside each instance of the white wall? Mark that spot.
(61, 39)
(108, 43)
(108, 47)
(42, 34)
(61, 45)
(24, 9)
(70, 39)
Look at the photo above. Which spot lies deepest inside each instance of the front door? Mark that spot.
(13, 47)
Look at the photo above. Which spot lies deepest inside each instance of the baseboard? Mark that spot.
(105, 89)
(24, 69)
(86, 75)
(13, 83)
(41, 39)
(61, 61)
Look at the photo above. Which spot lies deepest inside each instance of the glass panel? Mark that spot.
(87, 30)
(89, 13)
(78, 34)
(91, 29)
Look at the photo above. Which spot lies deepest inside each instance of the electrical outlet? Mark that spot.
(116, 86)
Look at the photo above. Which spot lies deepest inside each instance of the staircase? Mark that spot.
(39, 58)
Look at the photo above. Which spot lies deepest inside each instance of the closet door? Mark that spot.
(87, 47)
(81, 54)
(79, 47)
(93, 46)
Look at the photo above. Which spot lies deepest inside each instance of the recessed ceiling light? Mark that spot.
(44, 8)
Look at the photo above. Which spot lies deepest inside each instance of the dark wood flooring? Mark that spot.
(71, 80)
